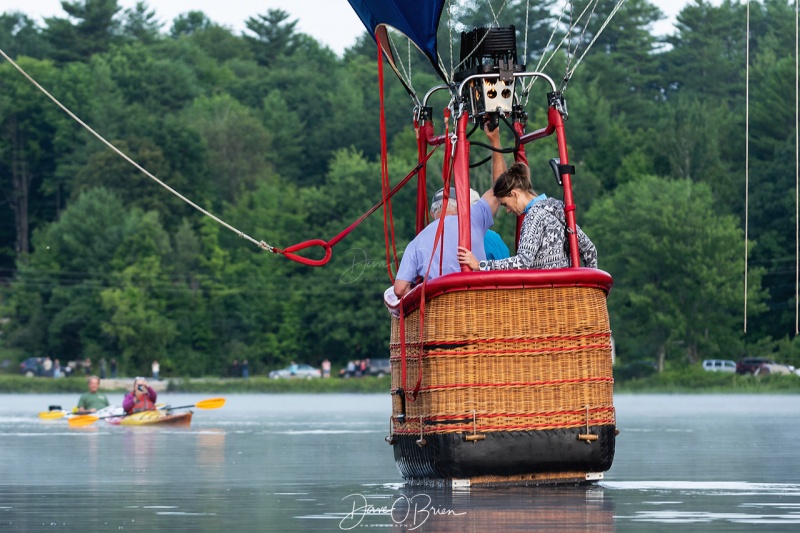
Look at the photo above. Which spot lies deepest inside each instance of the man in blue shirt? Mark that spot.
(417, 255)
(493, 243)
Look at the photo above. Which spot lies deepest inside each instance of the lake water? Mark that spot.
(304, 462)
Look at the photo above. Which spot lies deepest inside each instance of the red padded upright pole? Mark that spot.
(520, 156)
(461, 171)
(554, 118)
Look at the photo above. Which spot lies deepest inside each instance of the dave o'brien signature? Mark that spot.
(413, 511)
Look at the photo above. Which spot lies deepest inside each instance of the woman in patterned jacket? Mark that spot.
(543, 242)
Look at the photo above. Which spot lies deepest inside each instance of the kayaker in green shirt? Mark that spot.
(92, 401)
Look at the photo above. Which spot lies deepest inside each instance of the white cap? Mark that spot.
(473, 196)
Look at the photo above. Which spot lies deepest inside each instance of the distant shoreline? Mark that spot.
(13, 384)
(668, 383)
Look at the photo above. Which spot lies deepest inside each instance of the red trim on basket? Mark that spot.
(517, 427)
(508, 279)
(517, 384)
(433, 353)
(515, 339)
(520, 415)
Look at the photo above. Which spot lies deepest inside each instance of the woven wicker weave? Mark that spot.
(505, 360)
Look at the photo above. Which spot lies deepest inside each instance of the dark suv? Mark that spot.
(30, 367)
(749, 365)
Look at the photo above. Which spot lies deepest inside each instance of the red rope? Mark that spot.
(402, 348)
(327, 245)
(439, 236)
(510, 384)
(388, 219)
(515, 339)
(452, 353)
(468, 415)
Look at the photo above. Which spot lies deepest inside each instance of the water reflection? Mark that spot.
(211, 447)
(298, 463)
(486, 509)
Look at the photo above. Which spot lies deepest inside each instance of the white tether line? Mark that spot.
(260, 244)
(746, 156)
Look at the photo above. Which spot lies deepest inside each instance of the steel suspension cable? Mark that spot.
(485, 35)
(796, 173)
(526, 89)
(746, 155)
(260, 244)
(570, 73)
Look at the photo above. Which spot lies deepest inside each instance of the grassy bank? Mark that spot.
(684, 381)
(77, 385)
(694, 380)
(266, 385)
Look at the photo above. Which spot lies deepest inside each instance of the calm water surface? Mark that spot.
(305, 462)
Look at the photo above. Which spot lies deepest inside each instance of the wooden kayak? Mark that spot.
(147, 418)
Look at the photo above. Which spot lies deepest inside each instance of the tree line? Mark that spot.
(278, 136)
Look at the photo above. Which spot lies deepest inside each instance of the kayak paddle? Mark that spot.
(85, 420)
(211, 403)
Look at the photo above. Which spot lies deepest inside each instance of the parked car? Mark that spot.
(773, 368)
(30, 367)
(296, 371)
(719, 365)
(749, 365)
(379, 367)
(371, 367)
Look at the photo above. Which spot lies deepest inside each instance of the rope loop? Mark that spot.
(302, 246)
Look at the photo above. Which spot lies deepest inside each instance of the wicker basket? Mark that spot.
(504, 359)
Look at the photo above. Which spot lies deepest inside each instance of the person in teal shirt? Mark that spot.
(92, 401)
(494, 246)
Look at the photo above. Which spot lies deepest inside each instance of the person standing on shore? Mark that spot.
(155, 368)
(113, 369)
(92, 401)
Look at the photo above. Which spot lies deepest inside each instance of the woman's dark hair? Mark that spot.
(516, 177)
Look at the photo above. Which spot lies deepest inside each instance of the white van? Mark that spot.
(719, 365)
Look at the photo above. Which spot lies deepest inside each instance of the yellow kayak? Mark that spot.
(146, 418)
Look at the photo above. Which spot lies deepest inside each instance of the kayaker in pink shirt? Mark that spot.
(141, 398)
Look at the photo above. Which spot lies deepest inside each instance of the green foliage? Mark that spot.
(95, 29)
(141, 24)
(274, 36)
(22, 385)
(275, 134)
(265, 385)
(21, 36)
(235, 142)
(678, 288)
(785, 350)
(708, 50)
(693, 379)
